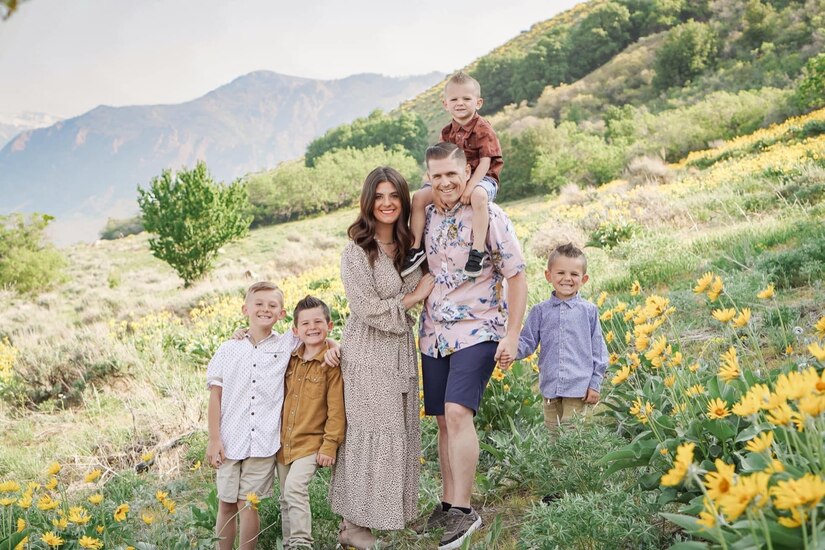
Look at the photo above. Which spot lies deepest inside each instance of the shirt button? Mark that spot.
(253, 414)
(253, 397)
(254, 365)
(253, 429)
(253, 381)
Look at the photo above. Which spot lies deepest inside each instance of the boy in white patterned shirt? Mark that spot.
(246, 382)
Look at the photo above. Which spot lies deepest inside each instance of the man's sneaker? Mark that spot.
(458, 528)
(436, 521)
(415, 257)
(474, 263)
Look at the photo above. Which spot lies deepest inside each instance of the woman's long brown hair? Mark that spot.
(362, 231)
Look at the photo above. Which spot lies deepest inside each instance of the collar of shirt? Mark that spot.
(248, 337)
(570, 302)
(466, 127)
(299, 352)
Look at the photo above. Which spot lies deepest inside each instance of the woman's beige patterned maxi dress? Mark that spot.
(375, 480)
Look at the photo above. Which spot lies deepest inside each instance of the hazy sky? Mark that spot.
(65, 57)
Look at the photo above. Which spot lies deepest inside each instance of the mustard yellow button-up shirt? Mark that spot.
(313, 417)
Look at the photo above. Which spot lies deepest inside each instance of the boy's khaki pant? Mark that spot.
(560, 410)
(296, 517)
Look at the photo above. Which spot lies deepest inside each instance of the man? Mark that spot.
(464, 331)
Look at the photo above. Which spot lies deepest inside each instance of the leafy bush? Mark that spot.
(406, 130)
(119, 228)
(688, 50)
(292, 190)
(611, 233)
(192, 217)
(27, 264)
(811, 91)
(509, 396)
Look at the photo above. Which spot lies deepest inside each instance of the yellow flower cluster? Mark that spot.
(8, 355)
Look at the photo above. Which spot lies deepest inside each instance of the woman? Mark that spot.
(375, 481)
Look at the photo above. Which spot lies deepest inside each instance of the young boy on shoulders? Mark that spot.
(573, 355)
(245, 380)
(462, 99)
(314, 420)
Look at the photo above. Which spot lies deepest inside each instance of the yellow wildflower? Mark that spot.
(718, 483)
(708, 518)
(760, 443)
(788, 349)
(797, 518)
(780, 416)
(724, 315)
(766, 293)
(642, 342)
(622, 375)
(743, 318)
(93, 476)
(21, 524)
(819, 327)
(817, 351)
(669, 381)
(148, 517)
(600, 300)
(60, 523)
(747, 490)
(703, 282)
(90, 542)
(53, 469)
(695, 390)
(52, 484)
(196, 466)
(79, 515)
(729, 370)
(793, 385)
(775, 467)
(120, 512)
(253, 500)
(609, 337)
(684, 458)
(694, 367)
(716, 289)
(657, 348)
(497, 375)
(7, 501)
(635, 288)
(607, 315)
(812, 405)
(506, 388)
(613, 358)
(676, 359)
(805, 492)
(51, 539)
(620, 307)
(170, 505)
(147, 456)
(25, 501)
(717, 409)
(161, 495)
(9, 487)
(99, 529)
(46, 503)
(96, 498)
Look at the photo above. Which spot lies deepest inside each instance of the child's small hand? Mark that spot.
(215, 454)
(467, 194)
(332, 358)
(592, 397)
(324, 460)
(239, 334)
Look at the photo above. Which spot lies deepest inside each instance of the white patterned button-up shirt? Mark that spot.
(252, 378)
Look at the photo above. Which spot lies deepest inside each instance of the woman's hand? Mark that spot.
(424, 287)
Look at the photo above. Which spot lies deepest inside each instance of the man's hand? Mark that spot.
(506, 351)
(592, 397)
(324, 460)
(332, 357)
(239, 334)
(215, 454)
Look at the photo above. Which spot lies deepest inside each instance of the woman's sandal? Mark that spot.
(355, 536)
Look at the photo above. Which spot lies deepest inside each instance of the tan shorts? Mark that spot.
(237, 478)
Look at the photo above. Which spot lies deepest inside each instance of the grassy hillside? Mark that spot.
(106, 372)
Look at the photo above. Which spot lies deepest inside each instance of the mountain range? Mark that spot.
(85, 169)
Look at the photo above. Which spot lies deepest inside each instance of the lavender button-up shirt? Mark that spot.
(573, 354)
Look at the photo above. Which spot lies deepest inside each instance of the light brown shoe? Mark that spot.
(355, 536)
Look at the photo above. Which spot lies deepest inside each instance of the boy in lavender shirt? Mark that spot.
(573, 354)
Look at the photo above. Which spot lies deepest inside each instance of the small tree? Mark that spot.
(27, 264)
(192, 217)
(686, 52)
(811, 91)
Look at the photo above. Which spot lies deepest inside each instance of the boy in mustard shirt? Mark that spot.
(313, 422)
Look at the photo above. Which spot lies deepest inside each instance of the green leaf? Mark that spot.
(495, 453)
(691, 525)
(722, 429)
(751, 431)
(689, 545)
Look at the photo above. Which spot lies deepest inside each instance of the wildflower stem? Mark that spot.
(695, 476)
(765, 531)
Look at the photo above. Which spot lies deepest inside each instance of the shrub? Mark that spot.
(119, 228)
(27, 264)
(687, 51)
(192, 217)
(811, 91)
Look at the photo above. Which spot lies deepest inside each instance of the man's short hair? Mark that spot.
(310, 302)
(568, 250)
(461, 78)
(265, 285)
(445, 150)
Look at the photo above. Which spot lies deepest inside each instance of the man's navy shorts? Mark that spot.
(457, 378)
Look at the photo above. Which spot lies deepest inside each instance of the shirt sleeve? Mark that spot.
(214, 371)
(445, 132)
(336, 425)
(504, 246)
(530, 336)
(388, 314)
(487, 140)
(599, 350)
